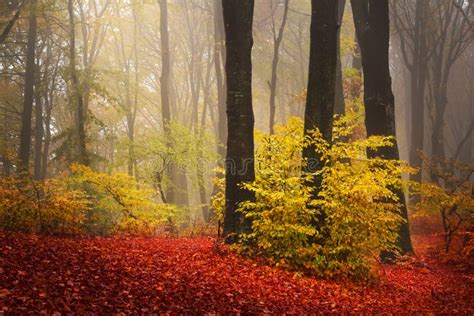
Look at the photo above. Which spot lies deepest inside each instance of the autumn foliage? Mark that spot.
(196, 276)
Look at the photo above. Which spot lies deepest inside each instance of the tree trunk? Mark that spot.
(165, 65)
(47, 139)
(321, 92)
(371, 18)
(238, 19)
(339, 104)
(25, 137)
(416, 61)
(80, 139)
(277, 39)
(39, 131)
(219, 59)
(165, 89)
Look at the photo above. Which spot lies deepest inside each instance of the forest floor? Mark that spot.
(160, 275)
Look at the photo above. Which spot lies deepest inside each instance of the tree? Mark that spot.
(321, 91)
(165, 90)
(339, 104)
(277, 39)
(238, 20)
(80, 155)
(25, 138)
(412, 30)
(371, 19)
(219, 60)
(450, 35)
(11, 23)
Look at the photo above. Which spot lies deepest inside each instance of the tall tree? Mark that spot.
(238, 20)
(321, 91)
(80, 154)
(450, 35)
(371, 18)
(339, 103)
(277, 39)
(412, 30)
(219, 60)
(25, 138)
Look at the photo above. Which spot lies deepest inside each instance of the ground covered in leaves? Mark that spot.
(110, 275)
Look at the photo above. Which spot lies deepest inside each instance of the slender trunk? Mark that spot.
(371, 18)
(240, 164)
(7, 165)
(165, 87)
(356, 57)
(47, 138)
(219, 59)
(39, 131)
(339, 104)
(165, 65)
(25, 137)
(277, 39)
(80, 139)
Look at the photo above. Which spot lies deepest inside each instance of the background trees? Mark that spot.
(140, 87)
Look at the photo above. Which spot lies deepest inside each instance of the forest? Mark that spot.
(236, 157)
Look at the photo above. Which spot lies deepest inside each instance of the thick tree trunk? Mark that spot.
(238, 19)
(320, 99)
(371, 18)
(277, 39)
(25, 137)
(80, 139)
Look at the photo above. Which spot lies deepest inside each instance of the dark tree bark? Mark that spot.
(80, 154)
(371, 18)
(277, 39)
(238, 19)
(25, 138)
(320, 99)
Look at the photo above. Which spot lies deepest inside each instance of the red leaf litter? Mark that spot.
(188, 276)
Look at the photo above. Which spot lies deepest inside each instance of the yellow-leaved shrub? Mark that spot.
(119, 203)
(41, 206)
(362, 212)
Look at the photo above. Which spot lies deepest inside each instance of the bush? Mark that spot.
(362, 212)
(451, 198)
(86, 202)
(120, 204)
(48, 207)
